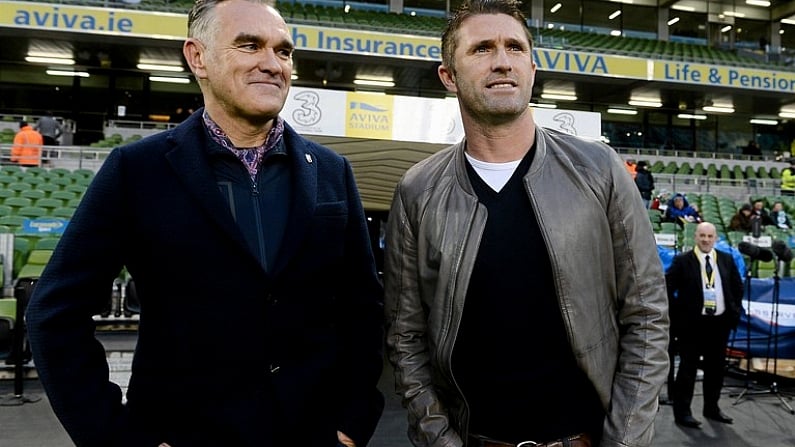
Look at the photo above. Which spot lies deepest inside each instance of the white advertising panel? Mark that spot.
(315, 111)
(428, 120)
(405, 118)
(574, 122)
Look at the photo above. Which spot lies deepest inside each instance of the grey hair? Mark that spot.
(200, 18)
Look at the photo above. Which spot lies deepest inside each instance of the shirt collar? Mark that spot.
(251, 157)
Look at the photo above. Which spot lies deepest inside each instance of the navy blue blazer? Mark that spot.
(683, 280)
(227, 353)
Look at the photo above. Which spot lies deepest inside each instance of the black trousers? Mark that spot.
(706, 338)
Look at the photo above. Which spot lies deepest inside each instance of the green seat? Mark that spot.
(32, 212)
(60, 172)
(65, 212)
(48, 188)
(8, 308)
(36, 261)
(31, 271)
(63, 195)
(6, 179)
(85, 173)
(61, 181)
(6, 193)
(33, 180)
(35, 170)
(47, 243)
(17, 202)
(33, 194)
(49, 203)
(18, 187)
(39, 256)
(12, 220)
(83, 181)
(765, 269)
(77, 188)
(5, 210)
(21, 251)
(11, 169)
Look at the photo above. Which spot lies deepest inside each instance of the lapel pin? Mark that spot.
(308, 158)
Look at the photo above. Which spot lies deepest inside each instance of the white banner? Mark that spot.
(405, 118)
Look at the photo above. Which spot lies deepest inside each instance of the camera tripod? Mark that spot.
(772, 338)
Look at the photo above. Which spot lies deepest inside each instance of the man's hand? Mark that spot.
(344, 440)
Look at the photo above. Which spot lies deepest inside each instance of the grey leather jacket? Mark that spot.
(608, 277)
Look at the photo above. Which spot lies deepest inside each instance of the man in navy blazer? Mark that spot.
(261, 310)
(705, 291)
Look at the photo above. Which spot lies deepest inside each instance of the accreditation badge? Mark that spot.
(710, 301)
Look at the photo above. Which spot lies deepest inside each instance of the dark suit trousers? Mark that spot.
(707, 338)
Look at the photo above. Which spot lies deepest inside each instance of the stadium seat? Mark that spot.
(33, 194)
(37, 260)
(11, 169)
(32, 212)
(17, 202)
(85, 173)
(32, 180)
(21, 251)
(48, 188)
(18, 187)
(765, 269)
(47, 243)
(49, 203)
(63, 195)
(35, 170)
(78, 188)
(6, 179)
(61, 181)
(60, 172)
(65, 212)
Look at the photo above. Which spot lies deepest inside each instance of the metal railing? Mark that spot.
(69, 157)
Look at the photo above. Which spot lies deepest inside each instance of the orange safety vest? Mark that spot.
(27, 147)
(631, 168)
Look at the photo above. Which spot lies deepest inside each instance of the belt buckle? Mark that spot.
(527, 444)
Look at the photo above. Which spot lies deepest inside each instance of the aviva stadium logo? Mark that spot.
(366, 107)
(369, 116)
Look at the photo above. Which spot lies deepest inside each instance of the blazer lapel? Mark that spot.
(189, 161)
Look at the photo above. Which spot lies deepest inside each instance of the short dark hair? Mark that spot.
(22, 124)
(473, 8)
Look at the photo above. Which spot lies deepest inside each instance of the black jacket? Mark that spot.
(683, 280)
(228, 353)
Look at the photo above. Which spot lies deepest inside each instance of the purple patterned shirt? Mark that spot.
(250, 156)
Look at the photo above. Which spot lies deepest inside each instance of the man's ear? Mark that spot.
(448, 78)
(194, 53)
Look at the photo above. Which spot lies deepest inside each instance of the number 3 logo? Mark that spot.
(308, 113)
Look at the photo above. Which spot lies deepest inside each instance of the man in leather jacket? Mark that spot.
(525, 299)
